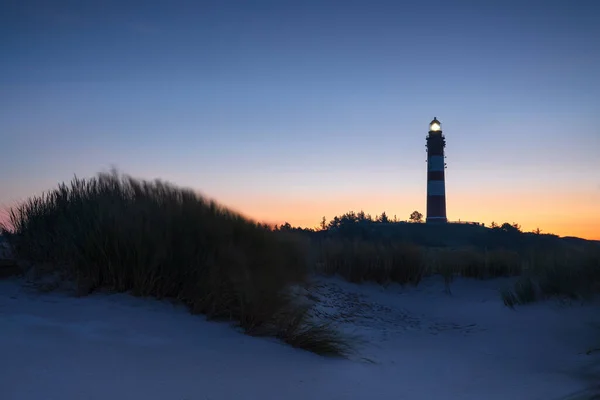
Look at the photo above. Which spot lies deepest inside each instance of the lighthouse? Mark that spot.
(436, 183)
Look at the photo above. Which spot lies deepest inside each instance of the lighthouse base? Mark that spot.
(436, 220)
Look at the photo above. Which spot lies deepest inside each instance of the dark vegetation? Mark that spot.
(361, 248)
(152, 239)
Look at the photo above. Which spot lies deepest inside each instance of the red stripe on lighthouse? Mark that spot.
(435, 176)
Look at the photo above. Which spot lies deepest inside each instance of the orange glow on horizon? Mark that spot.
(565, 214)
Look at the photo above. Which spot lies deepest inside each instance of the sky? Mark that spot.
(295, 110)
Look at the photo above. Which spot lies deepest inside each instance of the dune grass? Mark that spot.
(359, 260)
(563, 270)
(153, 239)
(366, 261)
(570, 272)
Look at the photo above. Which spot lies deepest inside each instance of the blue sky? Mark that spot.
(290, 110)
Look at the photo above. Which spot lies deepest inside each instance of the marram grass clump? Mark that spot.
(524, 292)
(565, 272)
(153, 239)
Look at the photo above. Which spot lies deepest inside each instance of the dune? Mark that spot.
(416, 343)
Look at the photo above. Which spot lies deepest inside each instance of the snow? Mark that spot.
(419, 343)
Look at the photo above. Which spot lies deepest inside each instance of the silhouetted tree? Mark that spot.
(383, 218)
(493, 225)
(286, 227)
(511, 228)
(362, 217)
(349, 217)
(323, 224)
(416, 217)
(334, 223)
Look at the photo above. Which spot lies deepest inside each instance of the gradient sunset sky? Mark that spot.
(295, 110)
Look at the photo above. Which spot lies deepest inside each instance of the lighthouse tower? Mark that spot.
(436, 184)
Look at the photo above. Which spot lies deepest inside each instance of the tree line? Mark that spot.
(353, 218)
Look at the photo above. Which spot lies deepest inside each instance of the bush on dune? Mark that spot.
(154, 239)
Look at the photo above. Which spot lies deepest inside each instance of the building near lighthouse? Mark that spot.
(436, 182)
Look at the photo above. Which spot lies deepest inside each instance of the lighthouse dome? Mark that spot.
(435, 125)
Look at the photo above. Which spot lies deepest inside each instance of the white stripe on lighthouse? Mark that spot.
(436, 188)
(435, 163)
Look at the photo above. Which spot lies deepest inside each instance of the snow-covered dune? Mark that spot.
(421, 343)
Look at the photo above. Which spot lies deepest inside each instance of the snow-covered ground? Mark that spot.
(421, 343)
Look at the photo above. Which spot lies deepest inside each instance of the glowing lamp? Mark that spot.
(435, 126)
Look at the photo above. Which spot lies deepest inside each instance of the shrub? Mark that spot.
(154, 239)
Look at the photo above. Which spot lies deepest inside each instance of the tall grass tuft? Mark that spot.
(153, 239)
(571, 272)
(524, 292)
